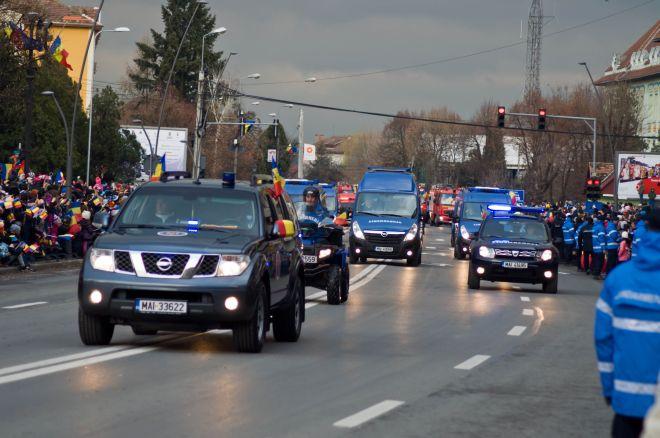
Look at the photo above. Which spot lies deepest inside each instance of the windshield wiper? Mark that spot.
(148, 226)
(396, 215)
(368, 212)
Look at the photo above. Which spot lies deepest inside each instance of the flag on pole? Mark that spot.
(160, 168)
(278, 181)
(5, 171)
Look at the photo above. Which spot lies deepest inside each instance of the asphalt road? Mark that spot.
(412, 353)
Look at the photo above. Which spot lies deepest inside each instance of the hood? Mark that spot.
(471, 225)
(648, 256)
(154, 240)
(384, 223)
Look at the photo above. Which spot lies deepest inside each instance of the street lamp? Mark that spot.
(602, 110)
(69, 163)
(91, 86)
(254, 76)
(255, 103)
(151, 148)
(310, 79)
(288, 105)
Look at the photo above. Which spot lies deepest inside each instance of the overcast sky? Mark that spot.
(294, 39)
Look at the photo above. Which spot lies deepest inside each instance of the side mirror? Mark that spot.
(101, 220)
(283, 228)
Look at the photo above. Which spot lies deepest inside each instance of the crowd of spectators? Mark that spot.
(39, 220)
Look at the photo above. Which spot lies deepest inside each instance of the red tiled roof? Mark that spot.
(61, 13)
(648, 41)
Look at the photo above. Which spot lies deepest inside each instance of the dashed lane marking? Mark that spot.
(21, 306)
(368, 414)
(526, 299)
(472, 362)
(430, 247)
(528, 312)
(517, 330)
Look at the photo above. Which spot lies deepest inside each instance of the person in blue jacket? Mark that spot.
(313, 209)
(581, 223)
(569, 238)
(627, 334)
(612, 238)
(599, 245)
(640, 229)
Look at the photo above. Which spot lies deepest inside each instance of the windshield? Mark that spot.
(394, 204)
(475, 210)
(331, 203)
(447, 199)
(215, 209)
(512, 228)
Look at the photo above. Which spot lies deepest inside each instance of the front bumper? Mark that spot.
(399, 249)
(495, 271)
(205, 298)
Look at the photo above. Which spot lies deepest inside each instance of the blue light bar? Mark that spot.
(528, 210)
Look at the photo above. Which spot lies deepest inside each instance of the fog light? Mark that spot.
(480, 270)
(547, 274)
(465, 249)
(357, 250)
(95, 297)
(231, 303)
(409, 253)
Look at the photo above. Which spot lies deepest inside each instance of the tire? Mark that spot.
(474, 282)
(94, 330)
(249, 336)
(363, 260)
(345, 284)
(287, 323)
(550, 287)
(334, 285)
(416, 259)
(352, 258)
(143, 332)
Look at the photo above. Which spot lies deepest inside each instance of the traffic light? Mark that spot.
(542, 114)
(501, 112)
(593, 189)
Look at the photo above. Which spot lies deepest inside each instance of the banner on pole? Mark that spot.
(272, 155)
(309, 152)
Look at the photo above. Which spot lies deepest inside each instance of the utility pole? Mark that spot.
(197, 147)
(301, 146)
(28, 134)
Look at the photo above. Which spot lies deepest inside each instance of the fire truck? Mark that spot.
(346, 198)
(443, 205)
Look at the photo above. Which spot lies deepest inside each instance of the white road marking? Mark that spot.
(517, 330)
(528, 312)
(20, 306)
(430, 247)
(564, 273)
(368, 414)
(539, 320)
(368, 278)
(440, 265)
(524, 299)
(472, 362)
(439, 240)
(363, 273)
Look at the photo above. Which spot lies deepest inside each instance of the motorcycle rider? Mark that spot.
(314, 209)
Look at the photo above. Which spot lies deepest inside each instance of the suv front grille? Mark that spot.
(123, 261)
(516, 254)
(177, 263)
(208, 265)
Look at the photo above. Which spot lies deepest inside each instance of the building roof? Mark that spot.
(332, 144)
(640, 61)
(74, 16)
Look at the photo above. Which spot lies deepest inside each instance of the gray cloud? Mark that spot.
(294, 39)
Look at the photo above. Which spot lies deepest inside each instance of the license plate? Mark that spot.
(161, 306)
(384, 249)
(309, 259)
(515, 265)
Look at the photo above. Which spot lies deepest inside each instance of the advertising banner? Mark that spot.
(309, 154)
(637, 171)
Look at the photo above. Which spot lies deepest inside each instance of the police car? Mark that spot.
(514, 244)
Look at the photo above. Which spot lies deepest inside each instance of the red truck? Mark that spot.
(443, 205)
(345, 197)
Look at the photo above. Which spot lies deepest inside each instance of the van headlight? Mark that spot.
(546, 255)
(232, 265)
(102, 259)
(465, 234)
(411, 234)
(486, 252)
(357, 231)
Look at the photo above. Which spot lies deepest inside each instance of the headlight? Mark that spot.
(546, 255)
(325, 252)
(231, 265)
(412, 233)
(487, 253)
(464, 233)
(357, 231)
(102, 259)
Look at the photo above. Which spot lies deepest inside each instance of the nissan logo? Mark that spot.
(515, 253)
(383, 233)
(164, 264)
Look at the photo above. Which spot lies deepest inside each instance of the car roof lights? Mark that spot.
(499, 207)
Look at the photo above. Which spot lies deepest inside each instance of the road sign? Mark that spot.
(272, 155)
(309, 152)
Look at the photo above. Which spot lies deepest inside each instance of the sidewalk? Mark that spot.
(44, 266)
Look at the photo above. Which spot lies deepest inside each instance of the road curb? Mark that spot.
(45, 265)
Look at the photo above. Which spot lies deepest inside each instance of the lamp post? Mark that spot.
(199, 123)
(169, 76)
(69, 163)
(151, 148)
(602, 108)
(91, 85)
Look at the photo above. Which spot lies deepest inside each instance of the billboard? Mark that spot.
(171, 143)
(635, 170)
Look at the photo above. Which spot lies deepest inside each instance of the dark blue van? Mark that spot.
(470, 209)
(387, 217)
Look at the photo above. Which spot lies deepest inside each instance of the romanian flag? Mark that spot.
(160, 168)
(18, 203)
(61, 56)
(278, 181)
(96, 201)
(291, 149)
(75, 208)
(21, 168)
(9, 203)
(34, 248)
(43, 215)
(33, 211)
(10, 217)
(285, 228)
(5, 171)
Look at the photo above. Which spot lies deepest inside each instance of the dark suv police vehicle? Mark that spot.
(514, 244)
(196, 255)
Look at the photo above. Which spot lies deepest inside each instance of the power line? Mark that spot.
(237, 93)
(455, 58)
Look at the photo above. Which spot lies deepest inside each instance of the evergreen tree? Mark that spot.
(120, 152)
(154, 60)
(324, 169)
(268, 141)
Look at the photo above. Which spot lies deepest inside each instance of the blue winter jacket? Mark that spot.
(569, 231)
(627, 330)
(637, 237)
(612, 236)
(577, 232)
(599, 237)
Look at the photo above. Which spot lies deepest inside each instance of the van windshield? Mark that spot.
(387, 204)
(475, 211)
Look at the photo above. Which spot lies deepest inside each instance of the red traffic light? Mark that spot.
(501, 110)
(590, 182)
(542, 112)
(596, 182)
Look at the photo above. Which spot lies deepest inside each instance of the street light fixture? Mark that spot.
(69, 163)
(254, 76)
(255, 103)
(311, 79)
(288, 105)
(151, 148)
